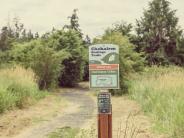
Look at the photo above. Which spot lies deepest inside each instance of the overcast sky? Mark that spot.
(94, 15)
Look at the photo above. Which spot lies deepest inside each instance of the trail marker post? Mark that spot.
(104, 75)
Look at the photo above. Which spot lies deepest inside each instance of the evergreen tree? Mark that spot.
(4, 41)
(158, 32)
(19, 28)
(37, 35)
(87, 40)
(74, 23)
(30, 35)
(123, 27)
(24, 37)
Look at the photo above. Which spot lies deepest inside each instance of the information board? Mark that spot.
(104, 103)
(104, 66)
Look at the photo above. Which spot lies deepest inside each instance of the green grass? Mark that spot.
(160, 91)
(18, 88)
(65, 132)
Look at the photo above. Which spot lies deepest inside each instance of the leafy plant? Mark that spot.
(129, 60)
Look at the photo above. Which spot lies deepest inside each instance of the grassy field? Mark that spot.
(18, 88)
(160, 91)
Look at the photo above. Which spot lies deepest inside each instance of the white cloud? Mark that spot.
(95, 15)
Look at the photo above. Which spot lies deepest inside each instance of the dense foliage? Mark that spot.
(71, 42)
(57, 57)
(158, 34)
(130, 61)
(60, 57)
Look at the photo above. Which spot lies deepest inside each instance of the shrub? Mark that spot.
(129, 60)
(59, 55)
(46, 63)
(18, 88)
(22, 53)
(4, 57)
(71, 42)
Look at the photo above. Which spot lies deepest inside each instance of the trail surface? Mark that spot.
(128, 119)
(79, 112)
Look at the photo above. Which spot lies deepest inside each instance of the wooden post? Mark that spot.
(104, 115)
(110, 123)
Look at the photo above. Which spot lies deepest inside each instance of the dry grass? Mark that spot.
(160, 92)
(129, 121)
(18, 88)
(17, 121)
(17, 71)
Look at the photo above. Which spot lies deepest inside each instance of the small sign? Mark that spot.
(104, 66)
(104, 103)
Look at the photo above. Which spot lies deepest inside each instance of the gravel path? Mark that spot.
(79, 111)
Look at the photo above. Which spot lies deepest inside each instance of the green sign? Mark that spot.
(104, 66)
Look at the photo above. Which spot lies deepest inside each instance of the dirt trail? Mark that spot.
(78, 112)
(128, 119)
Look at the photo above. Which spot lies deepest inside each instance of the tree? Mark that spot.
(74, 23)
(30, 35)
(18, 28)
(37, 35)
(123, 27)
(157, 32)
(87, 40)
(4, 44)
(45, 61)
(71, 42)
(130, 61)
(24, 36)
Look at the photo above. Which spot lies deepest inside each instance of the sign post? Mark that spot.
(104, 75)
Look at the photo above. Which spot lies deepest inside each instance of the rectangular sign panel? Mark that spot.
(104, 103)
(104, 66)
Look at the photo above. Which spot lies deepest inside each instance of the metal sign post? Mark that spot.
(104, 75)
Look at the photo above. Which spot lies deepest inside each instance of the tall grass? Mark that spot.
(160, 91)
(18, 88)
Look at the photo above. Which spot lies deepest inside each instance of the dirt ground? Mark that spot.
(129, 121)
(79, 110)
(14, 122)
(75, 108)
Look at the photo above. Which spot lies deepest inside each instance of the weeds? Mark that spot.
(65, 132)
(160, 91)
(18, 88)
(130, 130)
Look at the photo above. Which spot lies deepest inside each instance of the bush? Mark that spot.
(129, 60)
(18, 88)
(59, 55)
(22, 53)
(72, 72)
(46, 63)
(71, 42)
(4, 57)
